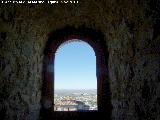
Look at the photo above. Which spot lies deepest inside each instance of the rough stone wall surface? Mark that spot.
(131, 29)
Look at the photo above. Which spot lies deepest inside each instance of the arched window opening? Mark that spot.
(75, 82)
(55, 42)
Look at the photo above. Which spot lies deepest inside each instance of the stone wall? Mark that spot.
(131, 29)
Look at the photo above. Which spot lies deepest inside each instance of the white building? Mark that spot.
(70, 105)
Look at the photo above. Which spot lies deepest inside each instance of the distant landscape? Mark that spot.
(87, 96)
(70, 91)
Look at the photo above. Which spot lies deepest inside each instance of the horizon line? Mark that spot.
(74, 88)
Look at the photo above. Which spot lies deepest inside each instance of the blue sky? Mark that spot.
(75, 66)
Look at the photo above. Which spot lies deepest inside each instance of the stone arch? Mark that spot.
(96, 40)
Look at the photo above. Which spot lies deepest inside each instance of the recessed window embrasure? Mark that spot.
(96, 40)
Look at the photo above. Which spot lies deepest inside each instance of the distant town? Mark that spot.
(75, 100)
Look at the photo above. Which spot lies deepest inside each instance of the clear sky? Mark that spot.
(75, 66)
